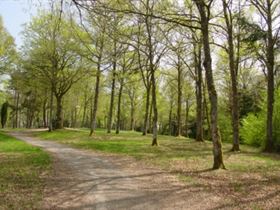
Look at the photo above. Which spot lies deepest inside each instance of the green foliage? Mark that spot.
(7, 49)
(252, 131)
(53, 51)
(225, 126)
(254, 31)
(20, 171)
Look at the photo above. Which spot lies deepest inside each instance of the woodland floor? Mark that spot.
(112, 172)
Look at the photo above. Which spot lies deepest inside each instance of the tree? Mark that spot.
(96, 48)
(204, 9)
(126, 65)
(233, 58)
(146, 75)
(115, 35)
(7, 50)
(198, 87)
(178, 48)
(269, 12)
(133, 92)
(4, 114)
(53, 53)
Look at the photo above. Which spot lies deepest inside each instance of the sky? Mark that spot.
(14, 14)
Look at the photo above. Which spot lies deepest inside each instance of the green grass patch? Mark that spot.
(22, 167)
(171, 153)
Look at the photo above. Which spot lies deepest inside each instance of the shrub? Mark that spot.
(253, 130)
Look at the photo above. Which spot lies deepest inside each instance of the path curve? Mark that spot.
(91, 180)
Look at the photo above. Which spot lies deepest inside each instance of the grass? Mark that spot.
(21, 171)
(170, 150)
(252, 178)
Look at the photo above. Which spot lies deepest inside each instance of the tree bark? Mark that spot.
(206, 111)
(154, 104)
(132, 114)
(179, 99)
(51, 108)
(95, 102)
(45, 113)
(59, 112)
(146, 118)
(216, 138)
(198, 93)
(110, 116)
(85, 109)
(170, 117)
(112, 97)
(233, 75)
(150, 127)
(187, 117)
(269, 144)
(119, 107)
(17, 109)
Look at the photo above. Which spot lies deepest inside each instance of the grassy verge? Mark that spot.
(172, 150)
(21, 171)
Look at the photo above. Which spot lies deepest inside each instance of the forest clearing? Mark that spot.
(140, 104)
(125, 172)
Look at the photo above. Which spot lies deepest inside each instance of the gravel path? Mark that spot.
(92, 180)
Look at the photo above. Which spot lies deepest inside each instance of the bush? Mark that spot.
(253, 130)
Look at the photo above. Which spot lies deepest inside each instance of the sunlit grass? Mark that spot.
(171, 150)
(21, 168)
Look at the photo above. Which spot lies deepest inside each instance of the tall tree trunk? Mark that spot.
(152, 69)
(75, 117)
(95, 102)
(179, 99)
(51, 109)
(187, 117)
(233, 75)
(216, 138)
(29, 114)
(198, 93)
(45, 113)
(85, 108)
(170, 118)
(59, 112)
(206, 111)
(150, 128)
(154, 104)
(4, 114)
(110, 116)
(132, 114)
(17, 110)
(119, 107)
(146, 118)
(269, 144)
